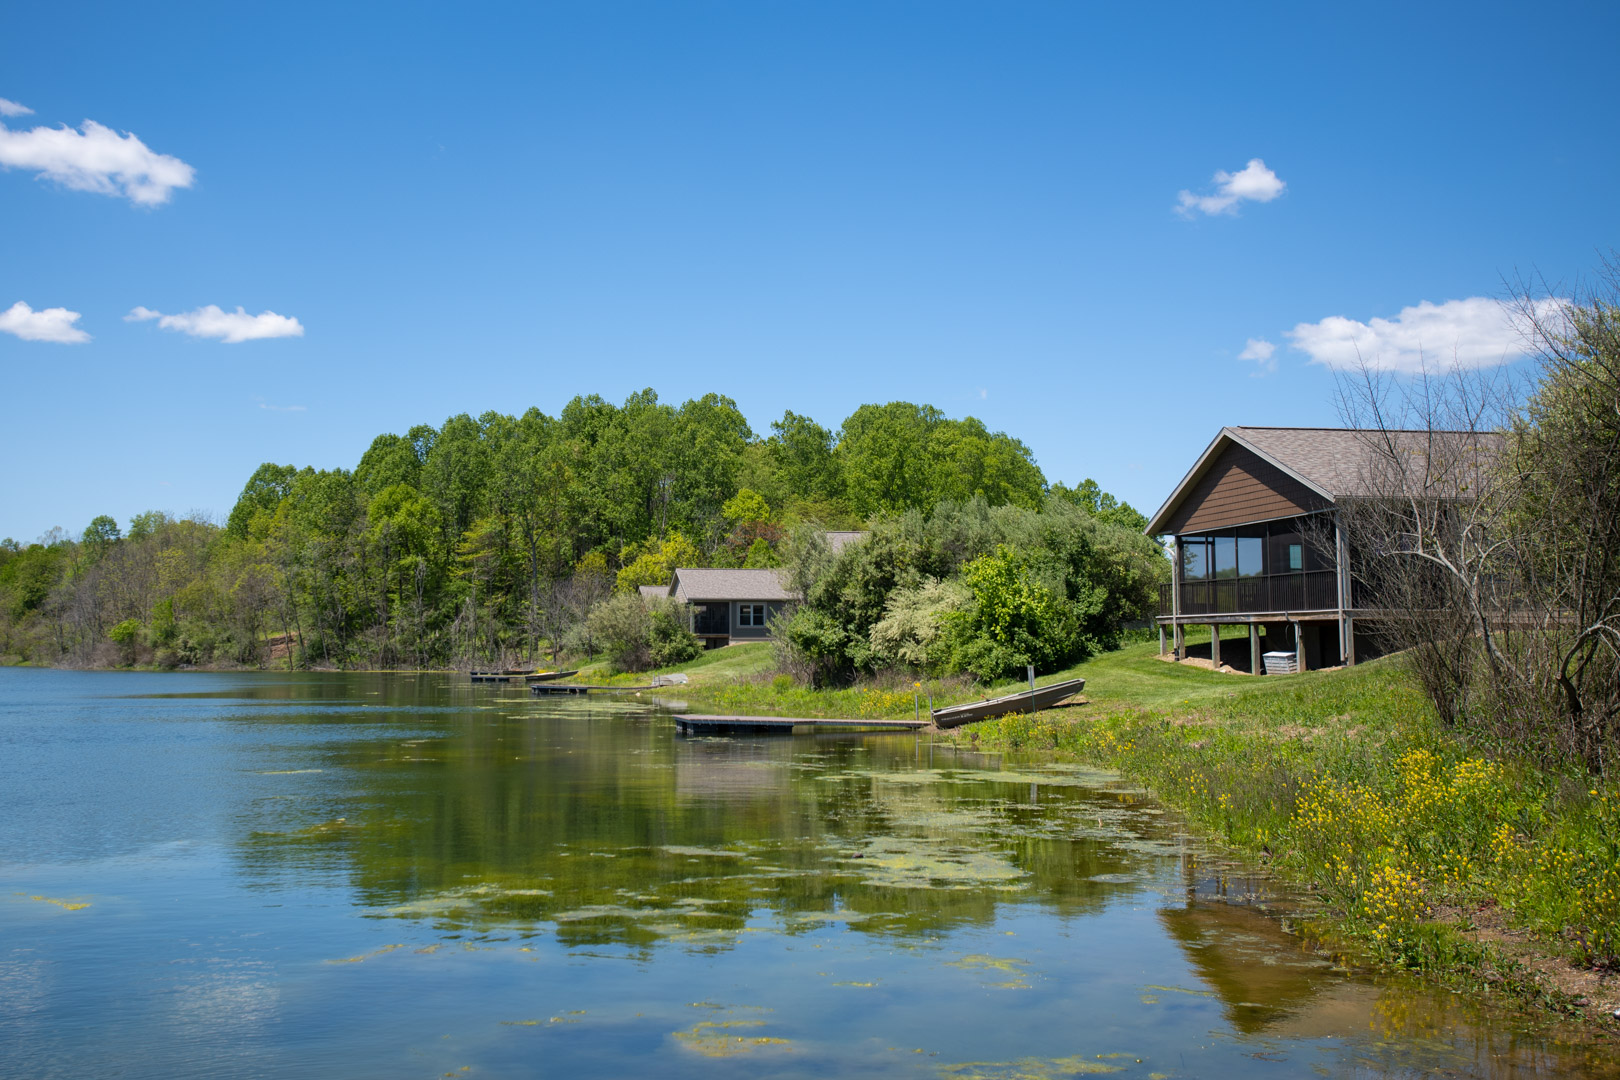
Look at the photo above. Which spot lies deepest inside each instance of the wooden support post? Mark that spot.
(1179, 637)
(1255, 667)
(1215, 645)
(1161, 639)
(1299, 646)
(1341, 559)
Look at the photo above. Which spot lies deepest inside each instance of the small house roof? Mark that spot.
(838, 540)
(696, 584)
(1334, 463)
(649, 591)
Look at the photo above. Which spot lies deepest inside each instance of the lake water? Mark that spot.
(395, 876)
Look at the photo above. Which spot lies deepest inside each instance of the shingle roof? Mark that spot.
(652, 590)
(838, 540)
(1337, 462)
(697, 584)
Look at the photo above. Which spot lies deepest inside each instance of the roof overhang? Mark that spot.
(1226, 437)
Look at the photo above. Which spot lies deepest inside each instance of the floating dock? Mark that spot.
(581, 688)
(702, 724)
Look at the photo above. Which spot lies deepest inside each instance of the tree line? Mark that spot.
(494, 537)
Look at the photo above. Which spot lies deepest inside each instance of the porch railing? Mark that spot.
(1317, 590)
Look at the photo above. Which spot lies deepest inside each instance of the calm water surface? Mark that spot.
(396, 876)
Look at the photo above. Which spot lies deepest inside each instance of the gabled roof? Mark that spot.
(1335, 463)
(695, 585)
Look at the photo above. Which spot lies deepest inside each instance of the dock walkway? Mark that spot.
(699, 723)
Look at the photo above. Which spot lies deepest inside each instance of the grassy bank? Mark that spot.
(1431, 855)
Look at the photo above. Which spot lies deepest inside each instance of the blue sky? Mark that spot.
(807, 206)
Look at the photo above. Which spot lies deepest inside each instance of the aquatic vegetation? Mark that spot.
(908, 863)
(1031, 1068)
(979, 962)
(65, 905)
(366, 956)
(720, 1038)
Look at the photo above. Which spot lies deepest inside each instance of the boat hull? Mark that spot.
(1044, 697)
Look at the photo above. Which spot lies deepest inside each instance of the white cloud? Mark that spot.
(1472, 333)
(1255, 182)
(231, 327)
(97, 159)
(1263, 353)
(11, 108)
(51, 324)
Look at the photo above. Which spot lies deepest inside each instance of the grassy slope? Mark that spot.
(1342, 780)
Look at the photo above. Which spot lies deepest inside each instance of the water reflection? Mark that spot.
(362, 860)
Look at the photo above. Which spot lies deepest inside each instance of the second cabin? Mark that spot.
(728, 606)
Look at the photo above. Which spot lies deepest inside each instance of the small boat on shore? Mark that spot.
(1042, 697)
(547, 676)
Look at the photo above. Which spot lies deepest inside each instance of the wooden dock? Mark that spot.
(702, 724)
(581, 688)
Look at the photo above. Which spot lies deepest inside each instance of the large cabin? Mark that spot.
(1257, 549)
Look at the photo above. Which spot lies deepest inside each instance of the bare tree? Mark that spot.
(1487, 529)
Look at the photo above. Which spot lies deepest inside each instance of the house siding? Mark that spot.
(1239, 487)
(739, 632)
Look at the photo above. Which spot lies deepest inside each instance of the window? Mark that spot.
(750, 614)
(1251, 543)
(1296, 556)
(1194, 558)
(1226, 556)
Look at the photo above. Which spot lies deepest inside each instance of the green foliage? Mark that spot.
(637, 635)
(658, 564)
(1091, 498)
(901, 456)
(26, 578)
(126, 632)
(747, 507)
(269, 484)
(99, 535)
(1063, 595)
(669, 640)
(914, 621)
(1012, 620)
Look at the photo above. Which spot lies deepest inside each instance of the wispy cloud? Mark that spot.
(1472, 333)
(1254, 183)
(231, 327)
(263, 404)
(51, 324)
(98, 159)
(1263, 353)
(11, 108)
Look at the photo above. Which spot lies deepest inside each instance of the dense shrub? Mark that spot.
(969, 588)
(637, 634)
